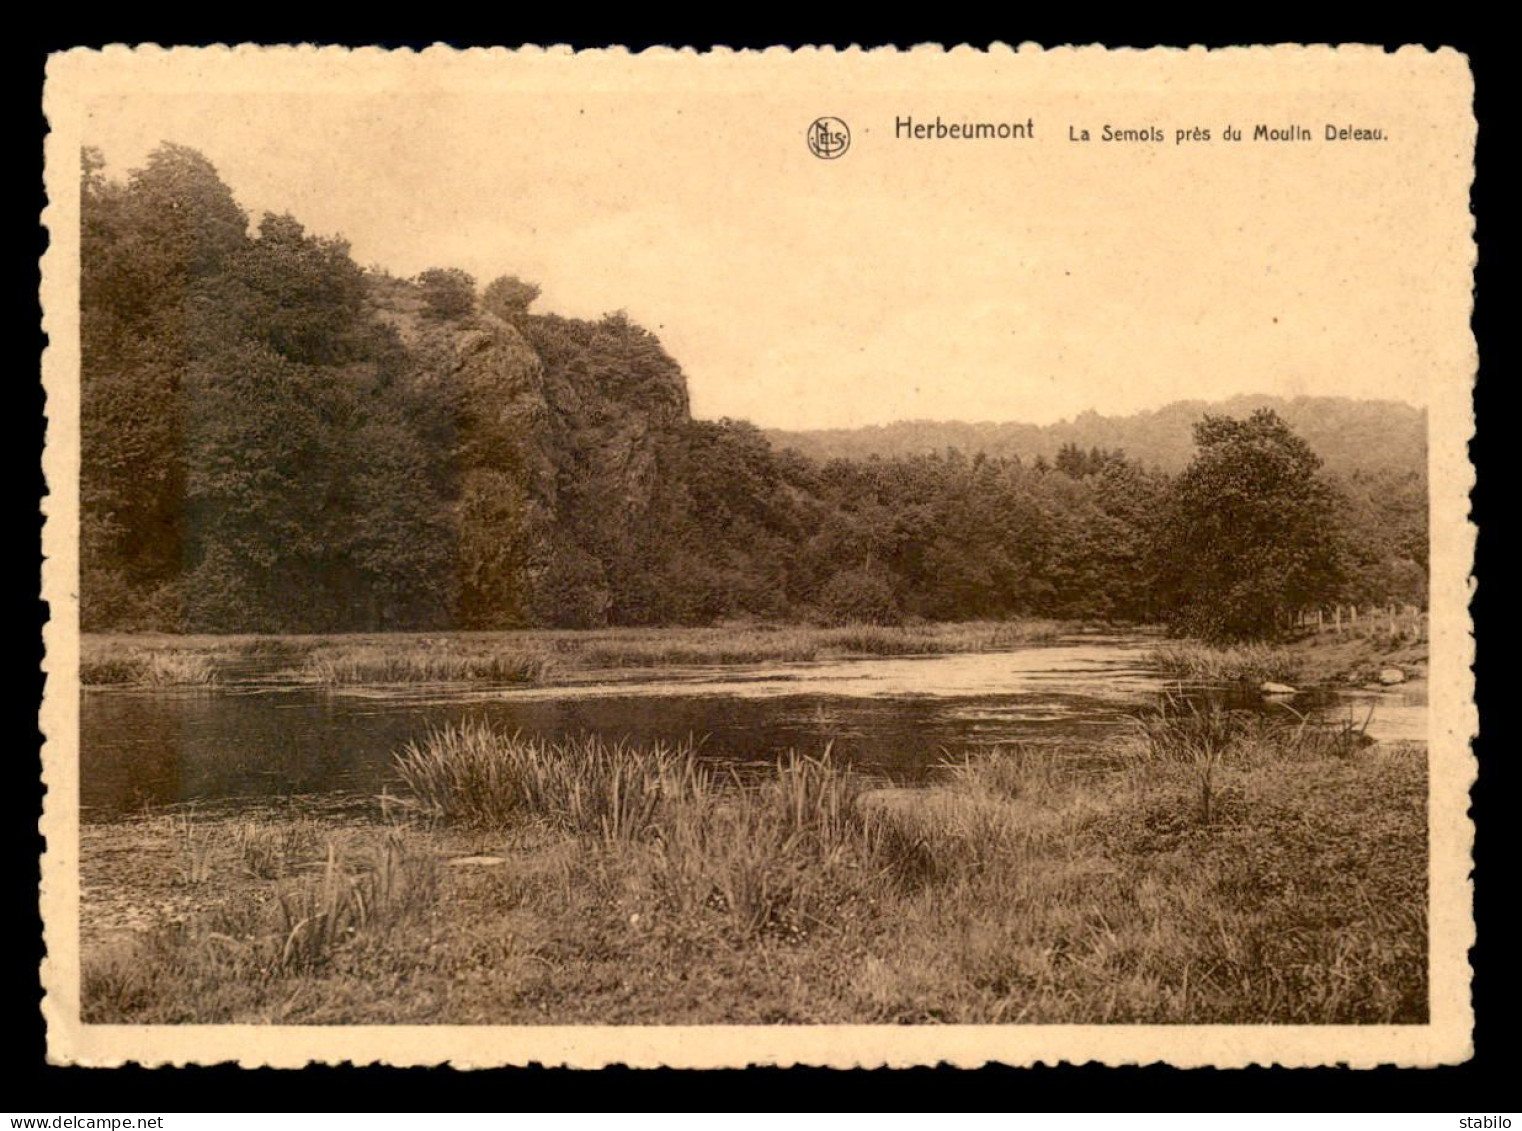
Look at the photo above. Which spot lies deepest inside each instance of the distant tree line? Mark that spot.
(264, 450)
(1351, 435)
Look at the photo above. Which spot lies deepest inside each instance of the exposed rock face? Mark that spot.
(1391, 676)
(559, 425)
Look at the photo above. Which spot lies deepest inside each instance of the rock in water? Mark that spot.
(1390, 676)
(1271, 688)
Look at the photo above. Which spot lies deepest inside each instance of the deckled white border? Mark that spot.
(74, 76)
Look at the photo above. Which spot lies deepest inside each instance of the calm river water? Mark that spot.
(255, 737)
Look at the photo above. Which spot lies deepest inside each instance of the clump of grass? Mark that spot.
(178, 669)
(279, 647)
(230, 953)
(196, 847)
(313, 920)
(470, 774)
(270, 851)
(801, 643)
(1010, 633)
(148, 668)
(409, 662)
(109, 671)
(785, 856)
(1181, 732)
(745, 858)
(1007, 772)
(1210, 664)
(1201, 737)
(932, 639)
(946, 837)
(700, 646)
(875, 640)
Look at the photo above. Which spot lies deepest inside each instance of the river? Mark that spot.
(257, 736)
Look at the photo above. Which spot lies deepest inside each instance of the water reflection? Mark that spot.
(895, 716)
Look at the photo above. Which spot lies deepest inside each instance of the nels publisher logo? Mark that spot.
(829, 138)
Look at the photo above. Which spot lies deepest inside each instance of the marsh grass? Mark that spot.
(423, 662)
(299, 927)
(272, 850)
(312, 920)
(1200, 737)
(946, 838)
(197, 844)
(781, 856)
(148, 668)
(643, 888)
(471, 774)
(1210, 664)
(1006, 772)
(749, 644)
(527, 656)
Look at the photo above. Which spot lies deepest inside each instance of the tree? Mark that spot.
(151, 252)
(1251, 533)
(509, 297)
(448, 292)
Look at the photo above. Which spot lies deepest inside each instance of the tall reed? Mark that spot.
(1206, 663)
(312, 920)
(471, 774)
(413, 663)
(148, 668)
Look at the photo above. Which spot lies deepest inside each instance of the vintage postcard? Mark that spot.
(828, 557)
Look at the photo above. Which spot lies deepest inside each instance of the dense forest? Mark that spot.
(277, 440)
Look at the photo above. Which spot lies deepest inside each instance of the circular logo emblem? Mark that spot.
(829, 138)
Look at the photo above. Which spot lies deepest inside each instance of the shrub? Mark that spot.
(448, 293)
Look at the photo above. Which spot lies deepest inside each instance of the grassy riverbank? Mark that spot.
(1356, 655)
(530, 656)
(1219, 868)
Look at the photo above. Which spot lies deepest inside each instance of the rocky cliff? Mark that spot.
(558, 428)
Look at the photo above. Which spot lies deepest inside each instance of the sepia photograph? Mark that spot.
(827, 557)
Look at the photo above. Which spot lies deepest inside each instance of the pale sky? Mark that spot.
(909, 279)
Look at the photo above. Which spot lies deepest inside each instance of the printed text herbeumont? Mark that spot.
(939, 129)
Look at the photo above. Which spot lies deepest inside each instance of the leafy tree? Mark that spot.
(509, 297)
(1386, 523)
(152, 250)
(1251, 534)
(449, 294)
(250, 459)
